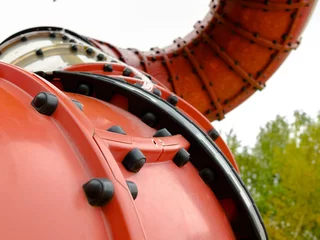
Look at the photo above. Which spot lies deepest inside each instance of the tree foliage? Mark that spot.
(282, 172)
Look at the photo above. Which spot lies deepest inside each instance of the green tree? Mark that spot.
(282, 172)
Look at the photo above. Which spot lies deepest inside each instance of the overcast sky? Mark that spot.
(146, 23)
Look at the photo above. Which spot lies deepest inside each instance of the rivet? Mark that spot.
(52, 35)
(134, 160)
(72, 41)
(157, 92)
(100, 57)
(207, 175)
(78, 104)
(99, 191)
(133, 189)
(173, 100)
(65, 38)
(127, 72)
(213, 133)
(162, 133)
(74, 48)
(116, 129)
(107, 68)
(89, 51)
(45, 103)
(39, 52)
(83, 89)
(149, 119)
(181, 158)
(259, 74)
(284, 37)
(23, 39)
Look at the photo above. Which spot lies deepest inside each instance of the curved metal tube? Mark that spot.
(230, 54)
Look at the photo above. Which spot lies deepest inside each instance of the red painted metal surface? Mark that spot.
(48, 158)
(230, 54)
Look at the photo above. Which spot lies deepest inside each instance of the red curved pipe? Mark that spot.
(230, 54)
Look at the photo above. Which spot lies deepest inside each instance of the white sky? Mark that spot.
(145, 23)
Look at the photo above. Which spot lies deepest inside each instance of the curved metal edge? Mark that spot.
(47, 28)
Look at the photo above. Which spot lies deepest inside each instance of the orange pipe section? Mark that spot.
(230, 54)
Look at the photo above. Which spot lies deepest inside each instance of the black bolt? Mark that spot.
(107, 68)
(127, 72)
(98, 191)
(79, 105)
(23, 39)
(72, 41)
(74, 48)
(134, 160)
(45, 103)
(133, 189)
(39, 52)
(65, 38)
(89, 51)
(162, 133)
(173, 100)
(52, 35)
(116, 129)
(40, 100)
(207, 175)
(83, 89)
(213, 133)
(284, 37)
(149, 119)
(100, 57)
(157, 92)
(181, 158)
